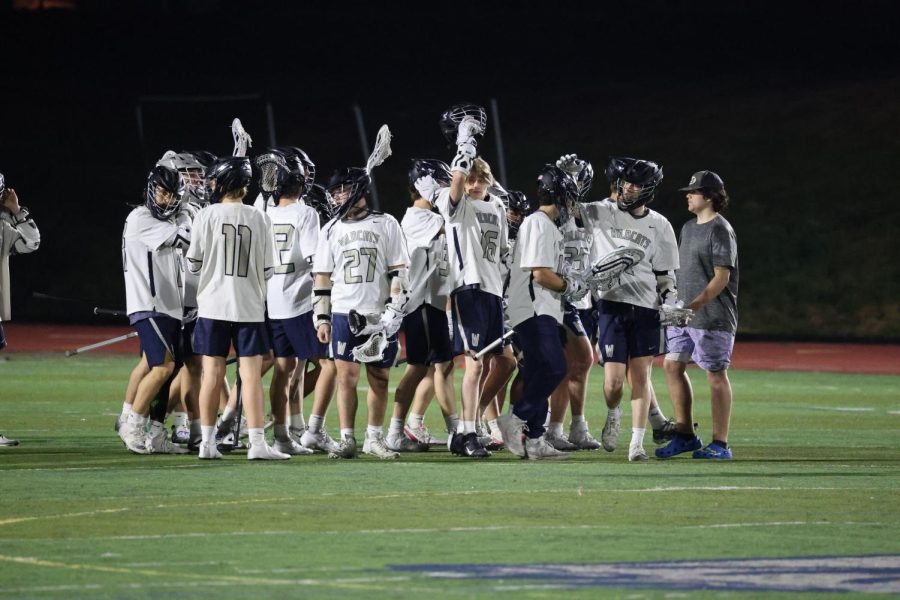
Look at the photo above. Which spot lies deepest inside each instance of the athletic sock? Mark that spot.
(297, 422)
(547, 420)
(257, 436)
(578, 419)
(396, 427)
(179, 419)
(637, 437)
(468, 427)
(494, 426)
(452, 423)
(657, 418)
(281, 433)
(416, 421)
(373, 431)
(349, 431)
(555, 429)
(207, 433)
(196, 431)
(126, 410)
(315, 423)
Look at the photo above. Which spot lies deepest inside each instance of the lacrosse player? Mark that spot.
(425, 325)
(154, 235)
(18, 235)
(709, 276)
(233, 252)
(477, 243)
(537, 293)
(360, 266)
(630, 332)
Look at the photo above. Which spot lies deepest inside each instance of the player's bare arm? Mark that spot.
(712, 289)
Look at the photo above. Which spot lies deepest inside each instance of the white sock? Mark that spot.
(452, 423)
(578, 419)
(126, 410)
(179, 419)
(257, 436)
(657, 418)
(281, 433)
(547, 420)
(468, 427)
(137, 420)
(615, 412)
(555, 428)
(373, 431)
(396, 427)
(315, 423)
(297, 421)
(416, 421)
(494, 426)
(207, 434)
(637, 437)
(345, 432)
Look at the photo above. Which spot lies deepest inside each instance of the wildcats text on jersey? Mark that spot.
(360, 235)
(630, 235)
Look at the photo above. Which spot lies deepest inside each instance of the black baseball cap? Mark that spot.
(704, 179)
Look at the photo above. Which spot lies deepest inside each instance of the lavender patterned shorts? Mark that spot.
(711, 350)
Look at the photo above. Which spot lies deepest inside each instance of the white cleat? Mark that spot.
(208, 451)
(560, 442)
(540, 449)
(375, 446)
(609, 437)
(320, 440)
(582, 438)
(512, 428)
(157, 442)
(637, 454)
(133, 437)
(400, 443)
(5, 441)
(265, 452)
(291, 447)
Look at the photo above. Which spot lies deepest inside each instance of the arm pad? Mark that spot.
(321, 306)
(665, 287)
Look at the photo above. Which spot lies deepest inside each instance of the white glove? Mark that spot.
(364, 324)
(675, 314)
(570, 163)
(575, 288)
(467, 130)
(427, 187)
(464, 159)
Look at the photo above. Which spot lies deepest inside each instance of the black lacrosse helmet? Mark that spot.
(204, 157)
(517, 203)
(318, 198)
(309, 167)
(615, 165)
(230, 173)
(358, 183)
(422, 167)
(453, 116)
(584, 180)
(170, 180)
(643, 173)
(557, 187)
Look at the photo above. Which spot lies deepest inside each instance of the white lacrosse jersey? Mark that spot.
(356, 255)
(539, 244)
(232, 247)
(477, 241)
(15, 238)
(262, 204)
(151, 262)
(295, 230)
(191, 280)
(577, 244)
(428, 268)
(652, 233)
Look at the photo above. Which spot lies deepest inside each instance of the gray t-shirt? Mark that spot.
(701, 248)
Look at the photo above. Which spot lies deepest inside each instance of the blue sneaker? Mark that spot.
(713, 451)
(679, 445)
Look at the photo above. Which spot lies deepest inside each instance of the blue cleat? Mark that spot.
(713, 451)
(679, 445)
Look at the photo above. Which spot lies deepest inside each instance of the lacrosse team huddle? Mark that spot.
(312, 282)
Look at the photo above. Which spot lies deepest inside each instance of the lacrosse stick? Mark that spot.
(268, 165)
(242, 139)
(113, 312)
(108, 342)
(494, 344)
(382, 149)
(606, 273)
(372, 350)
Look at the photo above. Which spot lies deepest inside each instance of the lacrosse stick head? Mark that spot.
(164, 192)
(309, 167)
(372, 350)
(557, 188)
(637, 183)
(611, 267)
(242, 139)
(268, 164)
(318, 198)
(453, 116)
(227, 175)
(381, 150)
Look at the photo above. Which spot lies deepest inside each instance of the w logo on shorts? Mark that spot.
(475, 338)
(342, 347)
(609, 349)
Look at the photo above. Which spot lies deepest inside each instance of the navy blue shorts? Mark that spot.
(477, 320)
(296, 337)
(543, 368)
(213, 337)
(427, 336)
(343, 342)
(187, 338)
(159, 336)
(572, 321)
(628, 331)
(588, 318)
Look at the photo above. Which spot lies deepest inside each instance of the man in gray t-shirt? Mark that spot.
(708, 280)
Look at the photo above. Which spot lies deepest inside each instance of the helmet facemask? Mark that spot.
(164, 192)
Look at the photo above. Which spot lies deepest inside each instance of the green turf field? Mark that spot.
(815, 475)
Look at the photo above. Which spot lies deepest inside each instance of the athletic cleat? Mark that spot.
(291, 447)
(5, 441)
(265, 452)
(319, 440)
(422, 435)
(512, 428)
(208, 451)
(713, 451)
(181, 434)
(496, 442)
(227, 443)
(118, 424)
(664, 433)
(540, 449)
(156, 441)
(582, 438)
(559, 442)
(296, 434)
(133, 437)
(637, 454)
(400, 443)
(455, 443)
(472, 446)
(609, 437)
(375, 446)
(345, 449)
(679, 445)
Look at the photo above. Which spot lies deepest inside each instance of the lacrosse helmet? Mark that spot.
(453, 116)
(584, 180)
(168, 180)
(192, 172)
(230, 173)
(421, 170)
(318, 198)
(644, 174)
(557, 188)
(309, 167)
(518, 204)
(352, 181)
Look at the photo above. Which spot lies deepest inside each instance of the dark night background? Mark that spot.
(794, 104)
